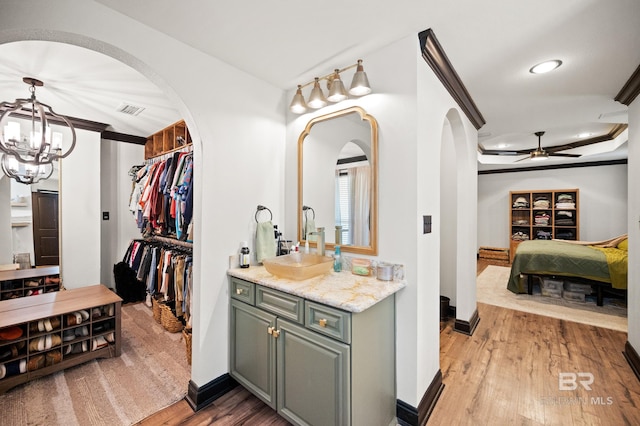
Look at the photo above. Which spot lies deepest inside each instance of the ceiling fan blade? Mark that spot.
(558, 154)
(498, 152)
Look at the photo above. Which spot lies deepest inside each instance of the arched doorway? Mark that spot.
(458, 207)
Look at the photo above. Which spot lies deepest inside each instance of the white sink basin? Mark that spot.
(298, 266)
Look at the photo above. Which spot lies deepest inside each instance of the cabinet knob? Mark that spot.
(239, 291)
(270, 330)
(276, 333)
(322, 322)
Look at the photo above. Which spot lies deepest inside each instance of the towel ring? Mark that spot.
(260, 208)
(305, 209)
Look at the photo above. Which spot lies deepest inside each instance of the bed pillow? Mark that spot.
(624, 244)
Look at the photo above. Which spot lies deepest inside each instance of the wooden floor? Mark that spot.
(507, 373)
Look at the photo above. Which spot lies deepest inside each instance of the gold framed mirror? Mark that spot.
(338, 180)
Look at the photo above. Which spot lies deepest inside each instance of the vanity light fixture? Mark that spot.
(337, 92)
(545, 67)
(316, 98)
(298, 105)
(28, 160)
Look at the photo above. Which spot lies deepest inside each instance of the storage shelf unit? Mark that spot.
(47, 333)
(27, 282)
(544, 214)
(167, 140)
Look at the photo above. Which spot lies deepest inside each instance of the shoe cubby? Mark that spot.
(29, 282)
(83, 324)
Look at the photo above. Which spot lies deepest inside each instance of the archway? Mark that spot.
(458, 206)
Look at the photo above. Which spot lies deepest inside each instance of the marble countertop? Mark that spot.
(342, 290)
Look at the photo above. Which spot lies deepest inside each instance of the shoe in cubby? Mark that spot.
(13, 368)
(53, 357)
(45, 342)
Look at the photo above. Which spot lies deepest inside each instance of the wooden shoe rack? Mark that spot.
(27, 282)
(43, 334)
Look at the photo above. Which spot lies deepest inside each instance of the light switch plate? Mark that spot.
(426, 224)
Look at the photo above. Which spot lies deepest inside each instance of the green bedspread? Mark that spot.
(547, 257)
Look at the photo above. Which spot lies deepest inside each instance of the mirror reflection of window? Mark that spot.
(353, 195)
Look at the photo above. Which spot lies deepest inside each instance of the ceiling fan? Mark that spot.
(535, 154)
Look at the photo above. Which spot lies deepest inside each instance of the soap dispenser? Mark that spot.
(337, 260)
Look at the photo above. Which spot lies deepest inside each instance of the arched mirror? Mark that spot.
(338, 180)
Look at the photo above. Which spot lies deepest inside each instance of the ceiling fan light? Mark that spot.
(545, 67)
(316, 98)
(539, 155)
(298, 105)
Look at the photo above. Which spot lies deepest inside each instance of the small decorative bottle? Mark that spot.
(337, 260)
(244, 255)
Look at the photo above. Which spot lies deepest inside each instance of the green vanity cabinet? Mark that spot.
(253, 351)
(313, 377)
(315, 364)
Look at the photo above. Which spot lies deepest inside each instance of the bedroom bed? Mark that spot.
(602, 264)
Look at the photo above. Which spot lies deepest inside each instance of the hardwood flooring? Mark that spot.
(507, 373)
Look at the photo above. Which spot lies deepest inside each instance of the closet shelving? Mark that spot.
(543, 214)
(44, 334)
(26, 282)
(173, 137)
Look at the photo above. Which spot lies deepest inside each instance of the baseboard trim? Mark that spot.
(430, 398)
(408, 415)
(467, 327)
(632, 358)
(200, 397)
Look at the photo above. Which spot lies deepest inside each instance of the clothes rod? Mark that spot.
(172, 241)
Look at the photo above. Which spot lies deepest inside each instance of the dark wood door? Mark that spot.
(46, 245)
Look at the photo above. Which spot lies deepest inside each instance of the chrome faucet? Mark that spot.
(320, 240)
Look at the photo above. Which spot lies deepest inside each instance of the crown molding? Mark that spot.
(630, 90)
(434, 55)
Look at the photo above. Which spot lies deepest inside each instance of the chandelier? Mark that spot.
(30, 159)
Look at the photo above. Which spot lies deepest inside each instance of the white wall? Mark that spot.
(80, 212)
(633, 295)
(117, 158)
(603, 200)
(238, 145)
(410, 112)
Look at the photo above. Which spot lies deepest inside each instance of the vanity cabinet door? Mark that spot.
(252, 350)
(313, 377)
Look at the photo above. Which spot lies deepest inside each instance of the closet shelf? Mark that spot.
(172, 138)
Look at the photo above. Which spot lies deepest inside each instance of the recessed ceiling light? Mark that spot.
(544, 67)
(503, 145)
(584, 135)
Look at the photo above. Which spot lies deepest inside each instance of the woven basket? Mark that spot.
(186, 332)
(157, 310)
(169, 321)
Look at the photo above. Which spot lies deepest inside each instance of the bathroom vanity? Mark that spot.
(319, 351)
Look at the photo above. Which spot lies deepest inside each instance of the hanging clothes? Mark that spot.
(161, 199)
